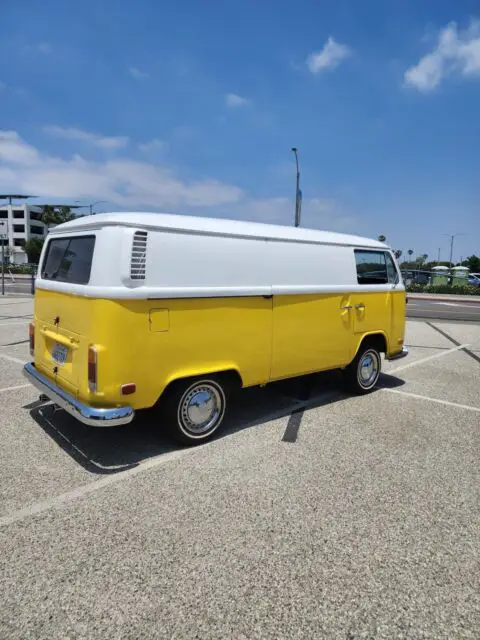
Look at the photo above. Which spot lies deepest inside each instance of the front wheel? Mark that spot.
(194, 409)
(363, 372)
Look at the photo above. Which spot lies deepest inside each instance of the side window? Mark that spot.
(69, 259)
(371, 267)
(391, 269)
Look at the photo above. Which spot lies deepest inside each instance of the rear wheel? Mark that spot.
(194, 409)
(361, 375)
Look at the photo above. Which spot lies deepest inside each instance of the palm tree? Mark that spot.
(53, 215)
(410, 252)
(382, 238)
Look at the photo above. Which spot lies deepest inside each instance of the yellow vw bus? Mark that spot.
(139, 310)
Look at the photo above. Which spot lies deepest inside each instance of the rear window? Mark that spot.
(375, 267)
(69, 259)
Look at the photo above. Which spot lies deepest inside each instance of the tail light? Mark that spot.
(31, 336)
(92, 368)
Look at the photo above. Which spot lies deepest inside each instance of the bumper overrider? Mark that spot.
(398, 356)
(92, 416)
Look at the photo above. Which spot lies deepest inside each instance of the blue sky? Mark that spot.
(192, 107)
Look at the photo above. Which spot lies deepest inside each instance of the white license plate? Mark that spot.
(60, 353)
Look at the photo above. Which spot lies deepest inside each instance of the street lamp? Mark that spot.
(94, 204)
(452, 237)
(298, 193)
(91, 205)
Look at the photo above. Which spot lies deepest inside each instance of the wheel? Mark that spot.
(194, 409)
(363, 372)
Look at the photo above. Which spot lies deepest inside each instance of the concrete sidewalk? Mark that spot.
(447, 297)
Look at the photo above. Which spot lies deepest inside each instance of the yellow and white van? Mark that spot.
(139, 310)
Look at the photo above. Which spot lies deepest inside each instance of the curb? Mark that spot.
(447, 298)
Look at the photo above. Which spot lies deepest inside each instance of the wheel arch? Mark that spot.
(377, 339)
(229, 376)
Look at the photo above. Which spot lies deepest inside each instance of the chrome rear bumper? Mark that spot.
(398, 356)
(92, 416)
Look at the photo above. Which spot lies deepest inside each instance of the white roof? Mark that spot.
(212, 226)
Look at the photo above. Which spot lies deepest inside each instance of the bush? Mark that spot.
(461, 290)
(20, 268)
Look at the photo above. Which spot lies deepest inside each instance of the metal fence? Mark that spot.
(13, 281)
(436, 278)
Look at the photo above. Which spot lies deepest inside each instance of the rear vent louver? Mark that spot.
(139, 255)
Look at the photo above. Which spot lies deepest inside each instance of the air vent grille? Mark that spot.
(139, 255)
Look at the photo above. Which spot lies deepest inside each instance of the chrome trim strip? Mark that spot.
(141, 291)
(91, 416)
(398, 356)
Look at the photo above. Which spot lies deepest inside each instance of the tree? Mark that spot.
(398, 253)
(33, 249)
(410, 252)
(52, 215)
(421, 260)
(473, 263)
(382, 238)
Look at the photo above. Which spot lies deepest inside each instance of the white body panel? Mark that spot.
(203, 257)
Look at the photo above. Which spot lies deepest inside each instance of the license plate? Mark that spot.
(60, 353)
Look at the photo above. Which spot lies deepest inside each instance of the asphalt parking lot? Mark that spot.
(314, 515)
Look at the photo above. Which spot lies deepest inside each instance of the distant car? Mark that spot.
(473, 280)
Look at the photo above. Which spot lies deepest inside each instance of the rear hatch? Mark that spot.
(62, 320)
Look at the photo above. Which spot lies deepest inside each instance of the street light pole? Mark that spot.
(452, 237)
(2, 237)
(90, 206)
(297, 192)
(3, 268)
(93, 204)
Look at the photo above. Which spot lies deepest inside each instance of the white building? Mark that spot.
(23, 222)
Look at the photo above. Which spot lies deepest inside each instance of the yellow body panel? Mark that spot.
(153, 342)
(311, 333)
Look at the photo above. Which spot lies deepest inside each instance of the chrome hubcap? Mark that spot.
(368, 369)
(200, 408)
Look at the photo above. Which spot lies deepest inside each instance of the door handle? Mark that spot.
(346, 307)
(360, 306)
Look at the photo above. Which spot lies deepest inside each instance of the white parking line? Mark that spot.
(19, 386)
(69, 496)
(427, 359)
(446, 402)
(12, 359)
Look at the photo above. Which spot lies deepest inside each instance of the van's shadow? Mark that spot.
(112, 449)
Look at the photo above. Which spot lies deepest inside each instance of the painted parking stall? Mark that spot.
(362, 507)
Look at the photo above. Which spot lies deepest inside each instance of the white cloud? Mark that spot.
(456, 52)
(70, 133)
(155, 145)
(136, 73)
(129, 184)
(234, 100)
(316, 213)
(329, 57)
(125, 183)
